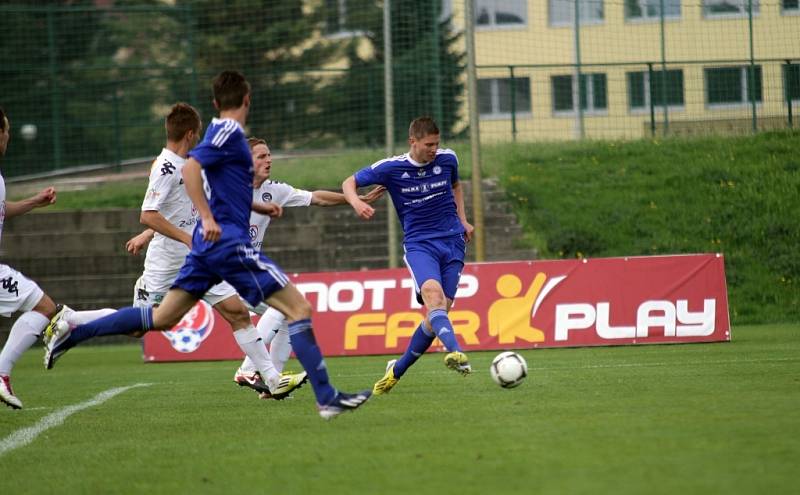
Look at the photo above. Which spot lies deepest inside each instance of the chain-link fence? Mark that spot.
(89, 82)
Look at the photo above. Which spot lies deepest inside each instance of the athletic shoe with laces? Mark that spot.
(287, 383)
(57, 345)
(385, 384)
(7, 394)
(62, 311)
(458, 361)
(251, 379)
(342, 403)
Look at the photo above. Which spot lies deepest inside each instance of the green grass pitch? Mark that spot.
(700, 418)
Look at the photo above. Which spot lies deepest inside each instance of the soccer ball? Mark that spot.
(508, 369)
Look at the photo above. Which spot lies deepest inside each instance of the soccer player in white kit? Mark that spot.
(171, 218)
(272, 326)
(17, 292)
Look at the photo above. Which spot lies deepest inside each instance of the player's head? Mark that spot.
(5, 131)
(423, 137)
(262, 158)
(183, 122)
(231, 90)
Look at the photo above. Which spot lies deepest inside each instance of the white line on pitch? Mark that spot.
(23, 437)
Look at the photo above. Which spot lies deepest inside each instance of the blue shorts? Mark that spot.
(440, 259)
(254, 276)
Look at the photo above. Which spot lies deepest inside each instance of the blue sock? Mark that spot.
(420, 342)
(305, 347)
(444, 329)
(124, 321)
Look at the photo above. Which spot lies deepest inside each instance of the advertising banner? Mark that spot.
(502, 305)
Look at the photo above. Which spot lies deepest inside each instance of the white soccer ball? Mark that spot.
(28, 132)
(508, 369)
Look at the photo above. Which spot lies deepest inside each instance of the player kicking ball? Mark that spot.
(427, 195)
(221, 250)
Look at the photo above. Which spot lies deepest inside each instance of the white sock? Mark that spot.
(281, 347)
(254, 348)
(269, 323)
(76, 318)
(23, 334)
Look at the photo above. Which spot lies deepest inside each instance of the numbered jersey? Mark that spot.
(273, 192)
(167, 195)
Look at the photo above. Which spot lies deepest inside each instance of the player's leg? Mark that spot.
(297, 310)
(20, 294)
(281, 346)
(235, 312)
(452, 259)
(125, 321)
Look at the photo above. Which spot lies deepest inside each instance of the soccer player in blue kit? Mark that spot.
(426, 193)
(219, 180)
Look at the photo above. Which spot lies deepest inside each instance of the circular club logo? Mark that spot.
(437, 170)
(266, 197)
(193, 329)
(253, 232)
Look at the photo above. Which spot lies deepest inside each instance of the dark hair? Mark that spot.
(254, 141)
(421, 127)
(2, 120)
(181, 119)
(230, 88)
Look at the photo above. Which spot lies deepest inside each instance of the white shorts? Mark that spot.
(151, 288)
(17, 292)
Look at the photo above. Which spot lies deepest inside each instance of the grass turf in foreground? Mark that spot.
(710, 418)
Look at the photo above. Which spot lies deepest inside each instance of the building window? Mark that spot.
(790, 6)
(501, 13)
(651, 9)
(644, 91)
(593, 93)
(562, 12)
(714, 8)
(497, 97)
(732, 85)
(791, 81)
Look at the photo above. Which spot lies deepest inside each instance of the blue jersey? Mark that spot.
(422, 193)
(228, 171)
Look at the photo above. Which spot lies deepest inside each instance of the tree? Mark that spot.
(427, 71)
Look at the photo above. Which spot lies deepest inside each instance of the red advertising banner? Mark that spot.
(503, 305)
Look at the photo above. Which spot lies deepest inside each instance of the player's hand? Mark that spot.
(273, 210)
(363, 210)
(469, 230)
(136, 243)
(45, 197)
(211, 229)
(375, 194)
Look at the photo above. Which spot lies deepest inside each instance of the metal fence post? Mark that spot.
(752, 86)
(664, 102)
(55, 88)
(787, 90)
(576, 84)
(474, 132)
(388, 97)
(651, 105)
(513, 103)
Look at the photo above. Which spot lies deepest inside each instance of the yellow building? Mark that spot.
(711, 84)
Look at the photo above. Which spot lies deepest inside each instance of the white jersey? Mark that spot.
(2, 204)
(167, 195)
(273, 192)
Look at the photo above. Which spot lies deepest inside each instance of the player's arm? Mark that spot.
(44, 197)
(458, 194)
(331, 198)
(138, 242)
(159, 223)
(193, 180)
(361, 207)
